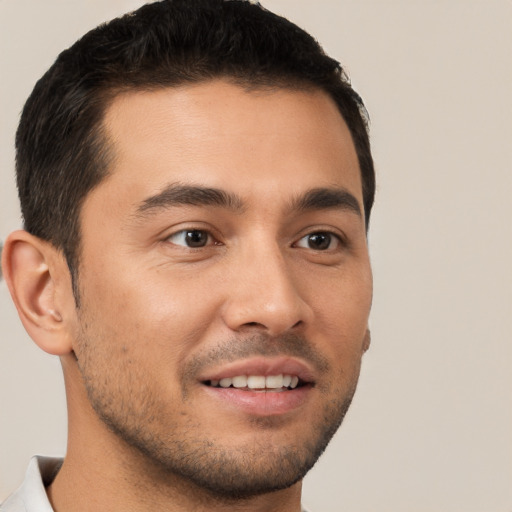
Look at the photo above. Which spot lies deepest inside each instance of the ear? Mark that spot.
(39, 281)
(367, 340)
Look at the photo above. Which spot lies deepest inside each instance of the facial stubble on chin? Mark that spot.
(124, 400)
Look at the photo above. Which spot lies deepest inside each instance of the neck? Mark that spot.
(83, 486)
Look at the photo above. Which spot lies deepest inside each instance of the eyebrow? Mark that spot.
(327, 198)
(193, 195)
(175, 194)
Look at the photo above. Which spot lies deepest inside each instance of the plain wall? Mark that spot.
(430, 429)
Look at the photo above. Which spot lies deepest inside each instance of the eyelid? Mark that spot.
(335, 232)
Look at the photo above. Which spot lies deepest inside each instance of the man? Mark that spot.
(196, 184)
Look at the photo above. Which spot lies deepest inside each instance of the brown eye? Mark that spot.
(320, 241)
(193, 238)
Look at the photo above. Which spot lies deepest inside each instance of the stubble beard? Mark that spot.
(183, 453)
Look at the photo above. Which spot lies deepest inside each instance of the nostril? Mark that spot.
(259, 325)
(253, 324)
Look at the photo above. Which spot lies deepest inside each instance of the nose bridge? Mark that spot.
(264, 291)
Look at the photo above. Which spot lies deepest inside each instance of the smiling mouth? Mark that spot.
(269, 383)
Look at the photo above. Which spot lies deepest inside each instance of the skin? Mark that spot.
(157, 317)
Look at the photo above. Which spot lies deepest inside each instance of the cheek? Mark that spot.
(151, 317)
(344, 298)
(341, 314)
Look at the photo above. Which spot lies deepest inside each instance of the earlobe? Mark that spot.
(33, 272)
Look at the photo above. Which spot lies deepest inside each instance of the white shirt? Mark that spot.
(31, 495)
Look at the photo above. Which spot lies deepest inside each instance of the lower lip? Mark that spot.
(261, 403)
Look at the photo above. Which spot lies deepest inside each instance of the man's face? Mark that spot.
(225, 282)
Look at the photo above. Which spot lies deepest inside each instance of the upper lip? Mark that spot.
(261, 366)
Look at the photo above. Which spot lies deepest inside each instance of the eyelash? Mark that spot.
(323, 234)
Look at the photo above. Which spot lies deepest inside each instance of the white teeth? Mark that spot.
(240, 381)
(274, 381)
(258, 382)
(226, 382)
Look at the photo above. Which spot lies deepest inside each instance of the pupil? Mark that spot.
(196, 238)
(319, 241)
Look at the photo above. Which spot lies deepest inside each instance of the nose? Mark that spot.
(264, 294)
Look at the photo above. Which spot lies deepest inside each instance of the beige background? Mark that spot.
(431, 426)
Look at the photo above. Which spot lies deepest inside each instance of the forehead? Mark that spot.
(220, 135)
